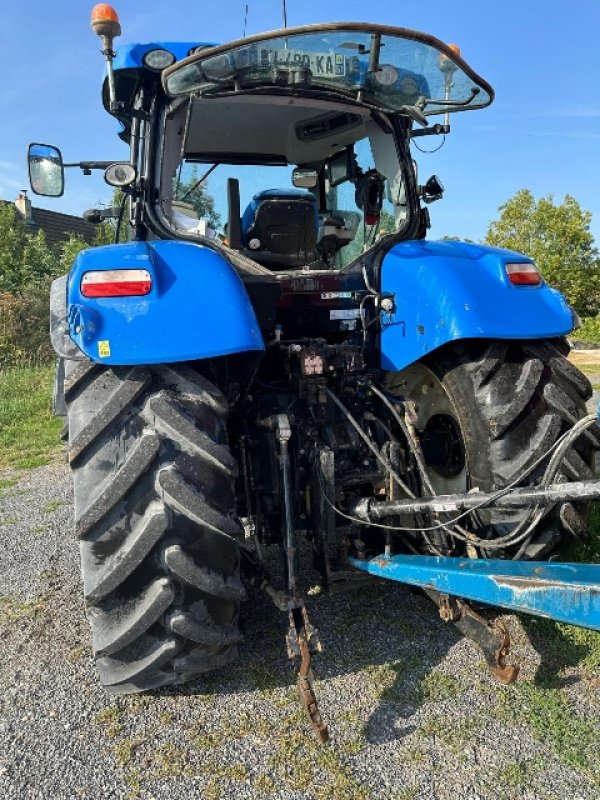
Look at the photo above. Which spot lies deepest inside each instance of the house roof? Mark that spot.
(56, 226)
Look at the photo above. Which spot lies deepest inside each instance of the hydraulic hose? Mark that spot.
(557, 452)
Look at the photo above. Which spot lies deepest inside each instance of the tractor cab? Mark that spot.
(290, 148)
(309, 129)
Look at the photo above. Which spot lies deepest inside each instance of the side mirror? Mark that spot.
(305, 178)
(46, 170)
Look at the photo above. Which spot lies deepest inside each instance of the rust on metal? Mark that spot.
(307, 694)
(303, 640)
(493, 638)
(505, 673)
(448, 608)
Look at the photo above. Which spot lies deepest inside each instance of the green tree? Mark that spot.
(457, 239)
(198, 197)
(387, 224)
(24, 258)
(107, 230)
(27, 266)
(68, 251)
(558, 238)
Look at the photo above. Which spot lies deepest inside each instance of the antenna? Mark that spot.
(284, 9)
(245, 20)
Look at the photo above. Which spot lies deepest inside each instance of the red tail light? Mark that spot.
(523, 274)
(116, 283)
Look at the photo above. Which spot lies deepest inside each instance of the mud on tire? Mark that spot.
(154, 500)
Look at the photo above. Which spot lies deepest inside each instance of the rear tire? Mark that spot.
(486, 411)
(154, 511)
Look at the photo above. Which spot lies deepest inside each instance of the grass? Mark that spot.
(6, 483)
(588, 550)
(436, 686)
(453, 735)
(12, 609)
(515, 777)
(28, 429)
(515, 774)
(551, 718)
(110, 719)
(133, 781)
(542, 705)
(568, 641)
(76, 653)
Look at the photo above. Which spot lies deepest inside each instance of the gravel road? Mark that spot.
(413, 714)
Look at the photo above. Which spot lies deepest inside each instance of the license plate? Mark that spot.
(322, 65)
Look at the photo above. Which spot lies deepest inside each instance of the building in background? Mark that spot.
(56, 226)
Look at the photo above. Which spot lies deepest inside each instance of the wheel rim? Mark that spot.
(438, 426)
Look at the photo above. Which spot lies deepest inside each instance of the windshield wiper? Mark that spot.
(198, 182)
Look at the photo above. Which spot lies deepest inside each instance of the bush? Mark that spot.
(24, 338)
(589, 331)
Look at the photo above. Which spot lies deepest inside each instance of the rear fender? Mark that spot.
(447, 291)
(197, 307)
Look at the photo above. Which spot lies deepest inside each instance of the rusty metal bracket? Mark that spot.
(493, 638)
(302, 641)
(307, 693)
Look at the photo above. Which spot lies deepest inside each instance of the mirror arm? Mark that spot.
(433, 130)
(88, 166)
(122, 109)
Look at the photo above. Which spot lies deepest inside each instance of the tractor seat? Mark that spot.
(280, 227)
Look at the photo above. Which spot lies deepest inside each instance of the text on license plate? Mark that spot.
(325, 65)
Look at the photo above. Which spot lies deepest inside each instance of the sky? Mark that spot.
(541, 56)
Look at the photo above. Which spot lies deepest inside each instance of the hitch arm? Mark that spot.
(564, 592)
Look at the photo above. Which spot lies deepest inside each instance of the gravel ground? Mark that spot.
(413, 713)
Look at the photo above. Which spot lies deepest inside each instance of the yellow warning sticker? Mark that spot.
(104, 349)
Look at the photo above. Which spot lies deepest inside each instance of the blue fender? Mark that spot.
(197, 306)
(446, 291)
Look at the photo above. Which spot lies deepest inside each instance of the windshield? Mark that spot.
(350, 205)
(200, 193)
(387, 68)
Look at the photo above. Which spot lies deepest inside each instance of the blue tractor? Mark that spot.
(314, 374)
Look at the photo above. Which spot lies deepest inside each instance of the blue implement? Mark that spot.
(564, 592)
